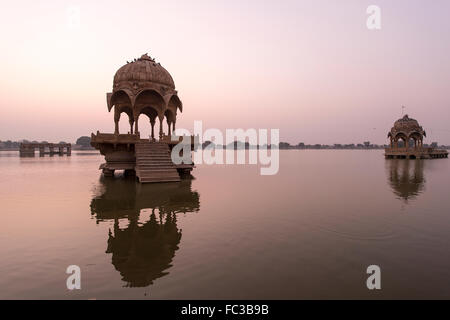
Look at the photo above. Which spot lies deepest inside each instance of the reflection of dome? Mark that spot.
(406, 178)
(141, 72)
(143, 251)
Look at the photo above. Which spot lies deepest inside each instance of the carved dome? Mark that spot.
(141, 72)
(407, 123)
(406, 126)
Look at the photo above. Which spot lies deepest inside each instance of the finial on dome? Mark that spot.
(145, 56)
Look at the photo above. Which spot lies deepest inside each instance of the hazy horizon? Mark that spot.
(310, 68)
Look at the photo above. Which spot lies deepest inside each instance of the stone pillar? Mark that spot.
(136, 126)
(170, 129)
(160, 128)
(116, 120)
(131, 125)
(152, 123)
(26, 150)
(69, 149)
(173, 129)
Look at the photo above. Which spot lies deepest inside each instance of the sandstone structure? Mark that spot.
(27, 149)
(143, 88)
(411, 135)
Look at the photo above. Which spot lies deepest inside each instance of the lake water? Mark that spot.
(310, 231)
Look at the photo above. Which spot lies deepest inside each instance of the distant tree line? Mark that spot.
(83, 142)
(287, 146)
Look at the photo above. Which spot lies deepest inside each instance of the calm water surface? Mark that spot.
(308, 232)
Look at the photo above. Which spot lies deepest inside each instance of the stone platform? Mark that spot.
(415, 153)
(27, 149)
(148, 159)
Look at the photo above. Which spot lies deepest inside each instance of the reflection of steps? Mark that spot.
(154, 164)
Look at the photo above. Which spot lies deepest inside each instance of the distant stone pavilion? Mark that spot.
(408, 131)
(143, 87)
(27, 149)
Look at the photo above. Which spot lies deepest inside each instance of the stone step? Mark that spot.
(152, 166)
(145, 151)
(143, 161)
(145, 180)
(159, 162)
(154, 163)
(152, 145)
(161, 178)
(158, 169)
(153, 150)
(158, 176)
(154, 160)
(152, 156)
(151, 173)
(154, 169)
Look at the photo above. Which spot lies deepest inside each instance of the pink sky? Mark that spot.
(310, 68)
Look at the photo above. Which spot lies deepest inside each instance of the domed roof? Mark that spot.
(407, 123)
(406, 126)
(144, 69)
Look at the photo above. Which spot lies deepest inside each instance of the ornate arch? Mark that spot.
(400, 135)
(121, 102)
(149, 97)
(175, 103)
(120, 97)
(417, 137)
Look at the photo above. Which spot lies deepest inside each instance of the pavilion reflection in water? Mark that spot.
(143, 251)
(406, 178)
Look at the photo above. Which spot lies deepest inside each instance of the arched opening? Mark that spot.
(175, 103)
(149, 102)
(417, 138)
(400, 140)
(122, 103)
(120, 97)
(149, 98)
(148, 125)
(126, 120)
(170, 119)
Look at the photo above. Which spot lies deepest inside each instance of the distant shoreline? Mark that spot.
(74, 148)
